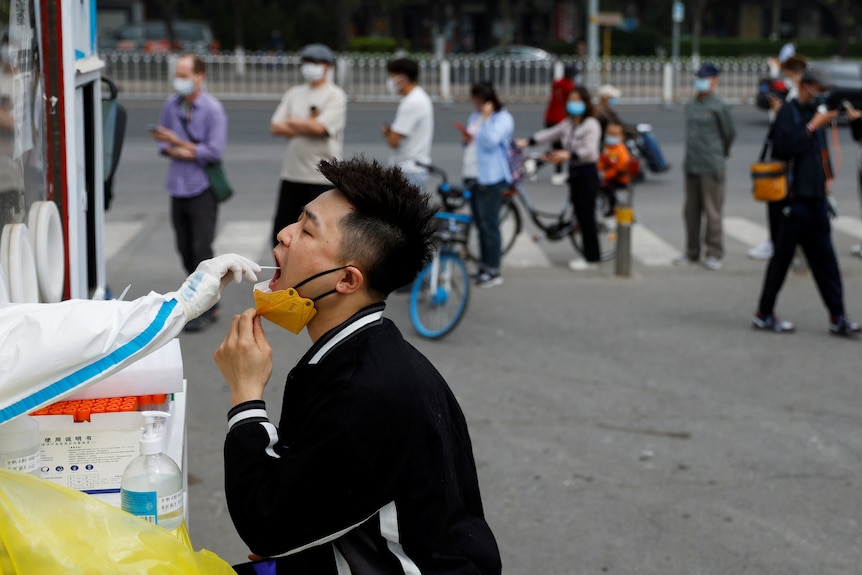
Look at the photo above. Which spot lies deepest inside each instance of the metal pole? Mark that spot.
(678, 15)
(625, 219)
(592, 40)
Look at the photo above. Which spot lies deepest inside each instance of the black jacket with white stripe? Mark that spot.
(371, 469)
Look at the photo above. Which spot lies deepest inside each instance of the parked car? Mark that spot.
(518, 53)
(152, 38)
(846, 76)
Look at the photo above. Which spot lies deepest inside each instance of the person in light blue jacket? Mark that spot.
(492, 139)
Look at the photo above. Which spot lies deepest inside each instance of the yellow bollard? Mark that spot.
(625, 218)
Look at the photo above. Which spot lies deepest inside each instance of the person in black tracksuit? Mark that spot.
(855, 117)
(370, 470)
(798, 139)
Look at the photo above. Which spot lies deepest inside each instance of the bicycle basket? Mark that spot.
(452, 227)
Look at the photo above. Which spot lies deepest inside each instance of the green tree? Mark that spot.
(846, 14)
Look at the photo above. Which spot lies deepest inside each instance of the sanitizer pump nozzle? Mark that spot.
(152, 439)
(152, 484)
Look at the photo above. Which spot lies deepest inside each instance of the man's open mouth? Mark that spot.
(276, 275)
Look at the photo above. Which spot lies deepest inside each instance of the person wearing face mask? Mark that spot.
(192, 134)
(311, 116)
(580, 135)
(792, 69)
(605, 113)
(555, 112)
(412, 131)
(799, 138)
(614, 164)
(854, 116)
(370, 467)
(709, 133)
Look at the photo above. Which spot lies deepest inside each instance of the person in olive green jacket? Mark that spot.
(709, 133)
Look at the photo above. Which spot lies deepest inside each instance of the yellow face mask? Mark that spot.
(286, 308)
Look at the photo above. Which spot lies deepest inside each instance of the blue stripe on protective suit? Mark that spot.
(93, 370)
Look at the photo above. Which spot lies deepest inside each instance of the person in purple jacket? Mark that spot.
(192, 133)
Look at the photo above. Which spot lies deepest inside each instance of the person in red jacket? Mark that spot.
(556, 113)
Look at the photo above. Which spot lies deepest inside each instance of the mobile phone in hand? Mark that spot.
(152, 127)
(847, 105)
(460, 127)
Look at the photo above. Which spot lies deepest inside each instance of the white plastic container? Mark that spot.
(20, 445)
(152, 484)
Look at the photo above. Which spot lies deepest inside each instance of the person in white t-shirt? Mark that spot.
(788, 50)
(412, 131)
(312, 117)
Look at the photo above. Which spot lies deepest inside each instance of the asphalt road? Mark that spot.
(620, 425)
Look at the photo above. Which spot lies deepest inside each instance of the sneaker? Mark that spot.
(559, 179)
(843, 326)
(712, 263)
(771, 323)
(486, 280)
(856, 250)
(530, 169)
(580, 264)
(481, 269)
(762, 251)
(683, 261)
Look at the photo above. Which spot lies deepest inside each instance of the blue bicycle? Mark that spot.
(441, 290)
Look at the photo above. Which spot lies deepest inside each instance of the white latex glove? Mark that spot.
(832, 206)
(202, 289)
(230, 266)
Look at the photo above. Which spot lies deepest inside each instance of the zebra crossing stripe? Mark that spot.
(118, 235)
(526, 253)
(848, 225)
(745, 231)
(249, 238)
(649, 249)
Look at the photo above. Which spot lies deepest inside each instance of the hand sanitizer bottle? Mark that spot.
(152, 484)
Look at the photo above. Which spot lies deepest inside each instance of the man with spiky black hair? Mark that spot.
(371, 469)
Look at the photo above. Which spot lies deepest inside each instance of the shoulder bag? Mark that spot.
(222, 190)
(769, 179)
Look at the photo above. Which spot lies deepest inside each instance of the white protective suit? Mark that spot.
(50, 350)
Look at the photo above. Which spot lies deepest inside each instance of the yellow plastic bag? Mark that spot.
(53, 530)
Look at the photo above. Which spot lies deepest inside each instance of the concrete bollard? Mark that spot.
(625, 219)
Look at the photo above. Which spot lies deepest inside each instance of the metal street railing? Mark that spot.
(363, 76)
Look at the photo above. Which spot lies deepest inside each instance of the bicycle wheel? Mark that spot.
(510, 228)
(607, 232)
(439, 296)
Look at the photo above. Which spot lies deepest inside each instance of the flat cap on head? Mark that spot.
(816, 75)
(317, 53)
(609, 91)
(707, 70)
